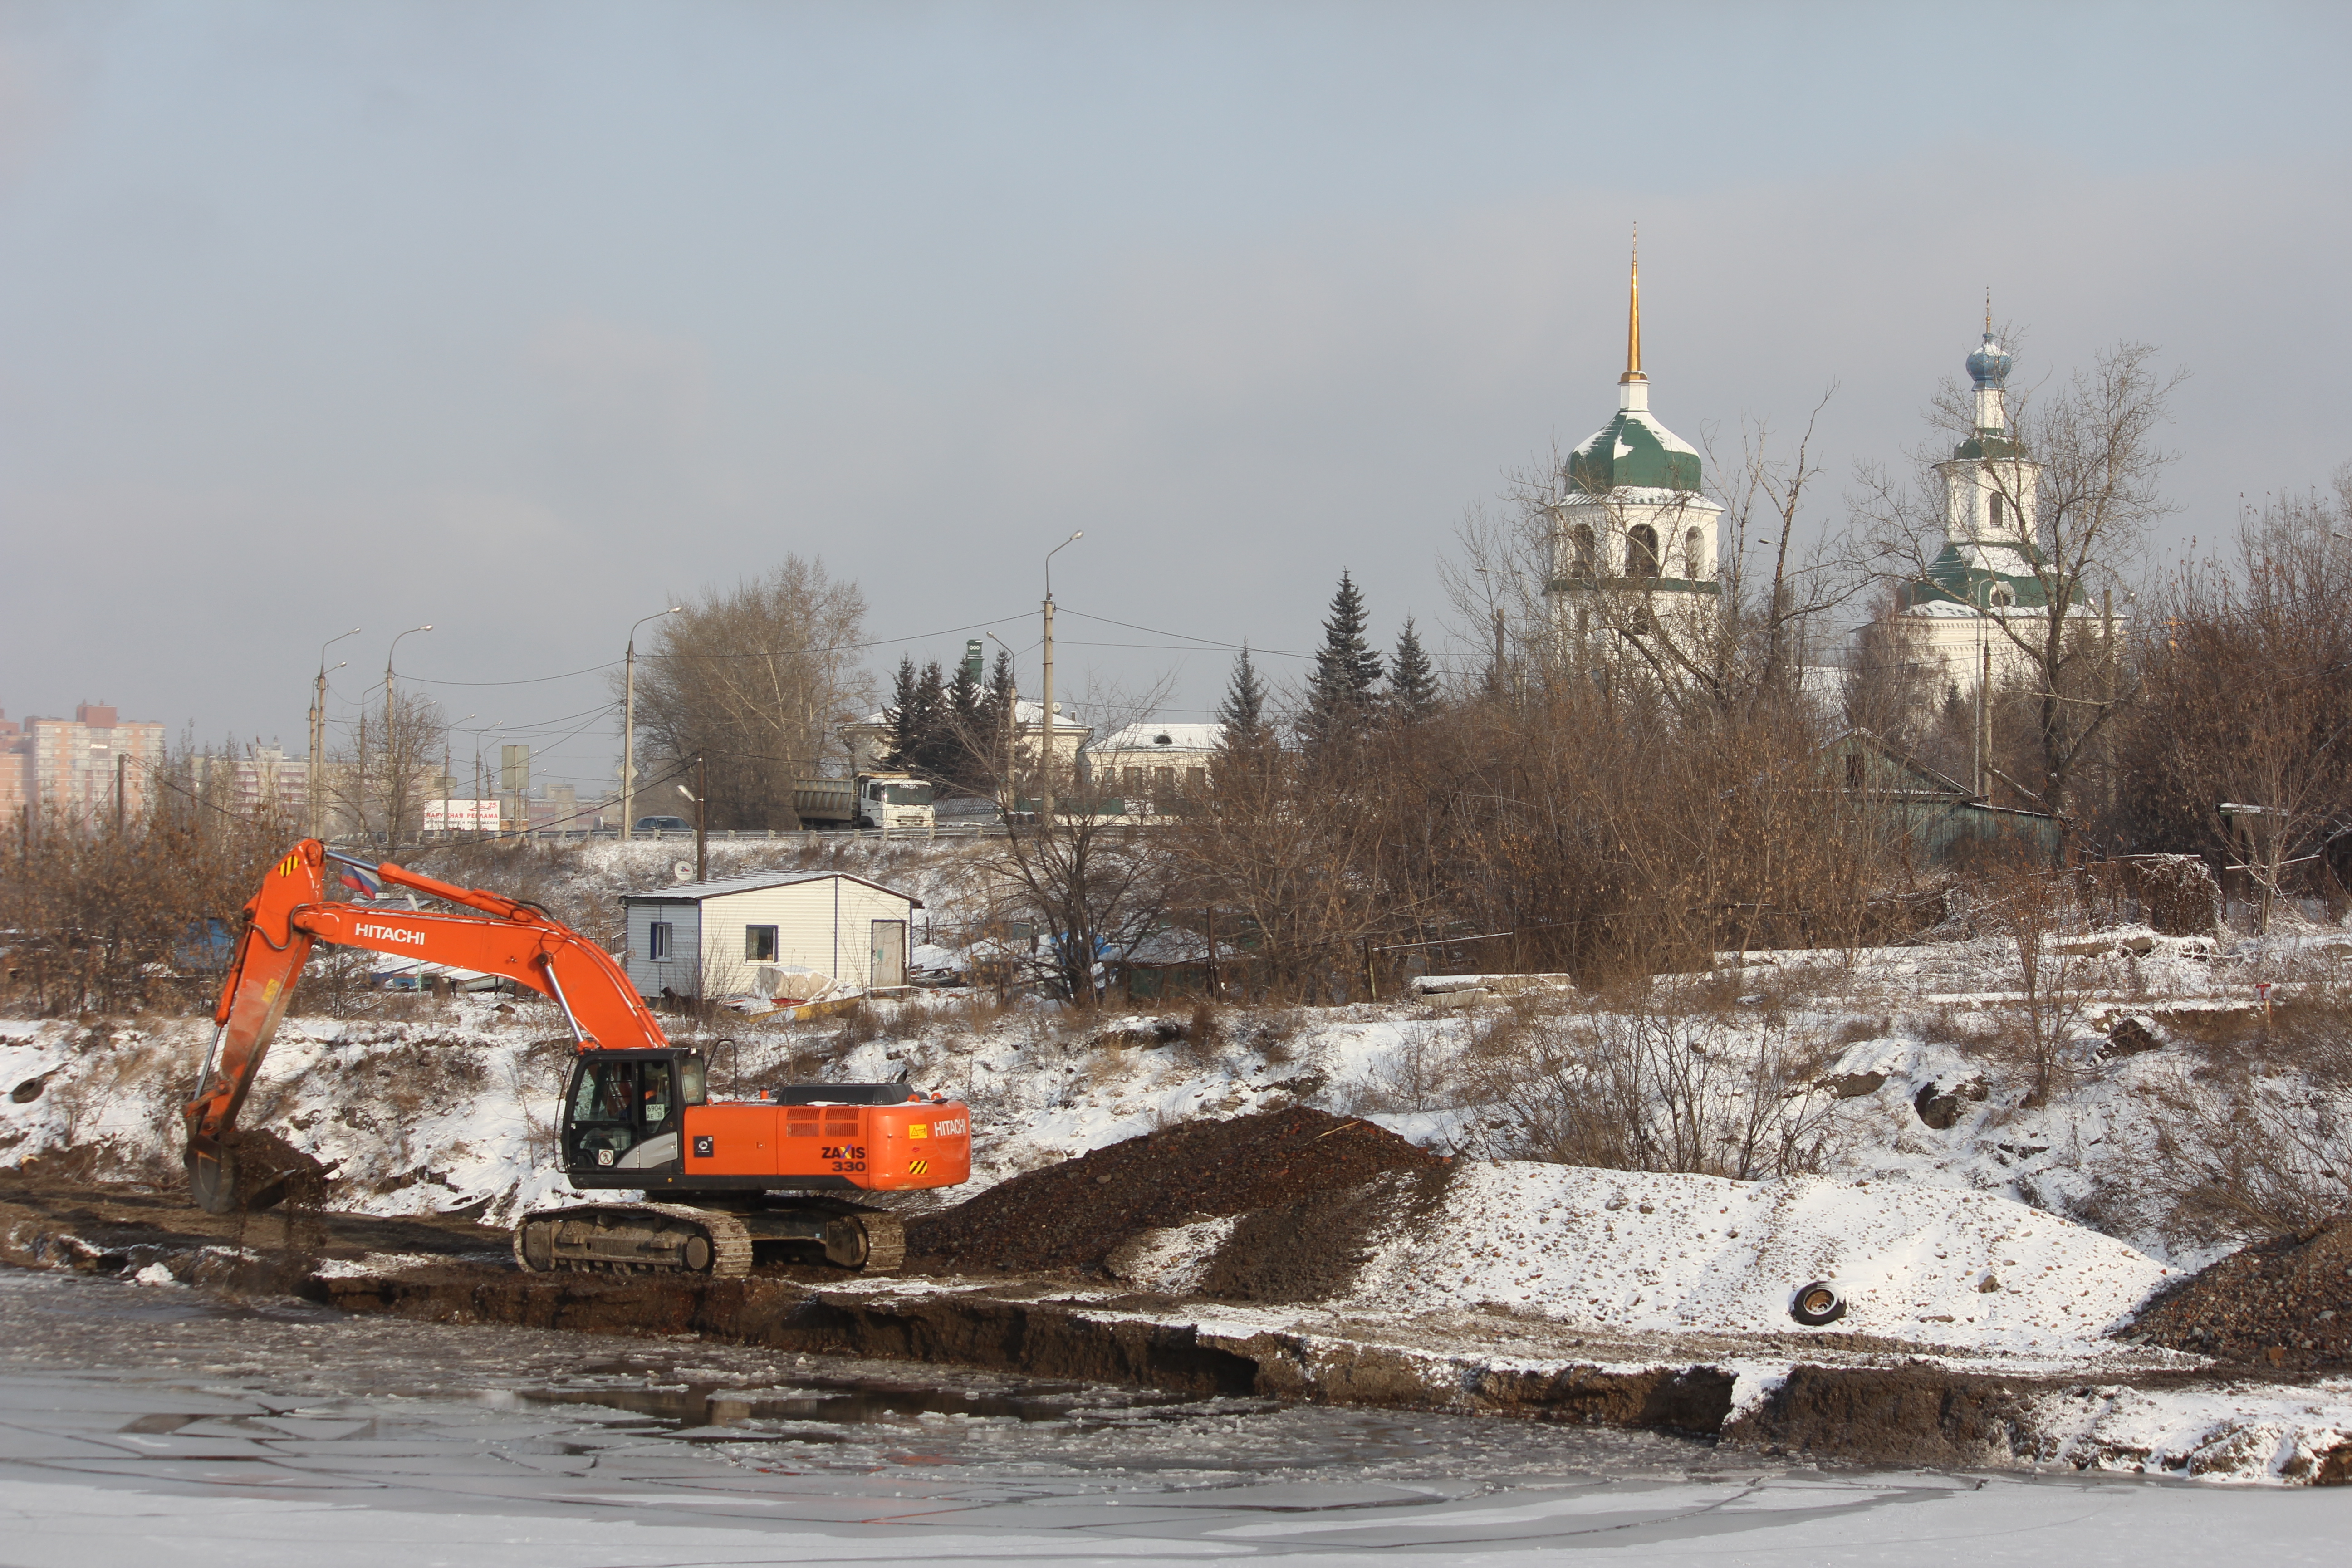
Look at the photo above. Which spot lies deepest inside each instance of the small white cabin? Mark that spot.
(766, 934)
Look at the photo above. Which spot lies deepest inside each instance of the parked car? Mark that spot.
(664, 825)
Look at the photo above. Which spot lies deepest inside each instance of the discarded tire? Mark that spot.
(1816, 1304)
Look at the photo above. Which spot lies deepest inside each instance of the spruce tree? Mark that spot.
(966, 739)
(1244, 713)
(904, 715)
(1340, 692)
(1413, 683)
(935, 744)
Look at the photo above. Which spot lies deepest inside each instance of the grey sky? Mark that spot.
(516, 317)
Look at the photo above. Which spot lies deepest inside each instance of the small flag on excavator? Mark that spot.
(362, 881)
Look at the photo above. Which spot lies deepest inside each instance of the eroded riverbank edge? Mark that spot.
(1829, 1397)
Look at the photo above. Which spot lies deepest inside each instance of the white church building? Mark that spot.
(1987, 580)
(1634, 537)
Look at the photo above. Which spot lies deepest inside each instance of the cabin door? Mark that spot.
(889, 954)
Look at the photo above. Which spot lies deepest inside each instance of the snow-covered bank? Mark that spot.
(1628, 1252)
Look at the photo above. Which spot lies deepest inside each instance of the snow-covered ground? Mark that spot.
(1951, 1203)
(1629, 1252)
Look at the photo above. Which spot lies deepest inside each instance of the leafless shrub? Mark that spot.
(1424, 1073)
(1659, 1088)
(2248, 1154)
(2036, 916)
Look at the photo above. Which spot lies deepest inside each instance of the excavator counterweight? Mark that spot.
(638, 1114)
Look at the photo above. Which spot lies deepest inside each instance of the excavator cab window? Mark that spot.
(616, 1106)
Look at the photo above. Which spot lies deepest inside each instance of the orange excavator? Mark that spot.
(719, 1176)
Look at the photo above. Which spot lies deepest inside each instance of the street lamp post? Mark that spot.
(1045, 788)
(392, 784)
(701, 817)
(1011, 724)
(319, 731)
(629, 722)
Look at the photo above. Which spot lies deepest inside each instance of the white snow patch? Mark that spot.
(2259, 1433)
(1640, 1252)
(1173, 1259)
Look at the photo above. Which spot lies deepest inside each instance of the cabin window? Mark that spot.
(1854, 770)
(658, 940)
(759, 944)
(1641, 550)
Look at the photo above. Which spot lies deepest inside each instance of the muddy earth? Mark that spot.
(1072, 1216)
(2278, 1303)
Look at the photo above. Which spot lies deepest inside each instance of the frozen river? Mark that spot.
(138, 1424)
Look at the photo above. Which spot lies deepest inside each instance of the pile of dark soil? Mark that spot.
(2279, 1303)
(1072, 1214)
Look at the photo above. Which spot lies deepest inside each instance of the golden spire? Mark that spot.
(1634, 318)
(1988, 309)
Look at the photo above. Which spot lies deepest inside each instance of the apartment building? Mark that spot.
(69, 767)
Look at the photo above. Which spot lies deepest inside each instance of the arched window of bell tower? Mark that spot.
(1581, 542)
(1693, 553)
(1997, 511)
(1641, 550)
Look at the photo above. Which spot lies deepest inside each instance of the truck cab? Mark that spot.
(893, 800)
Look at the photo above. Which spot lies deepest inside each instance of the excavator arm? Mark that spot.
(292, 912)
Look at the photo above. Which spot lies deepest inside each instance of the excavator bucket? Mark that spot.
(247, 1171)
(212, 1174)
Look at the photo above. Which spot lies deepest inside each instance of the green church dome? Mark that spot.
(1634, 451)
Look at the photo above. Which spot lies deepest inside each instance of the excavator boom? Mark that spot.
(292, 911)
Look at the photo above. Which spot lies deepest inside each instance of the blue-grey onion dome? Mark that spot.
(1989, 367)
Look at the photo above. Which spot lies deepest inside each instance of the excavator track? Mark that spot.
(885, 1239)
(633, 1239)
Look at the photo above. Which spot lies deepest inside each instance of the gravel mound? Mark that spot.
(1071, 1215)
(2276, 1303)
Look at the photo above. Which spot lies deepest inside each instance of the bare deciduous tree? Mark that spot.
(392, 762)
(2248, 665)
(2083, 464)
(755, 680)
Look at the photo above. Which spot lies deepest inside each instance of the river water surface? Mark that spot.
(142, 1420)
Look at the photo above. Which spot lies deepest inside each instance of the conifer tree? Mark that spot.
(1413, 683)
(1340, 693)
(904, 715)
(997, 708)
(936, 749)
(1243, 712)
(966, 727)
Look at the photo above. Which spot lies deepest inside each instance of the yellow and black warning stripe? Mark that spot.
(918, 1167)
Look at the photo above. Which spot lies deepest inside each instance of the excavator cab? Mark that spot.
(623, 1111)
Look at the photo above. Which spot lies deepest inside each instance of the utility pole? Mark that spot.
(629, 722)
(1045, 791)
(1984, 725)
(319, 733)
(391, 782)
(1009, 724)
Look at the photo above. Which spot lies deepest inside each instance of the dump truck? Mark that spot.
(693, 1181)
(868, 800)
